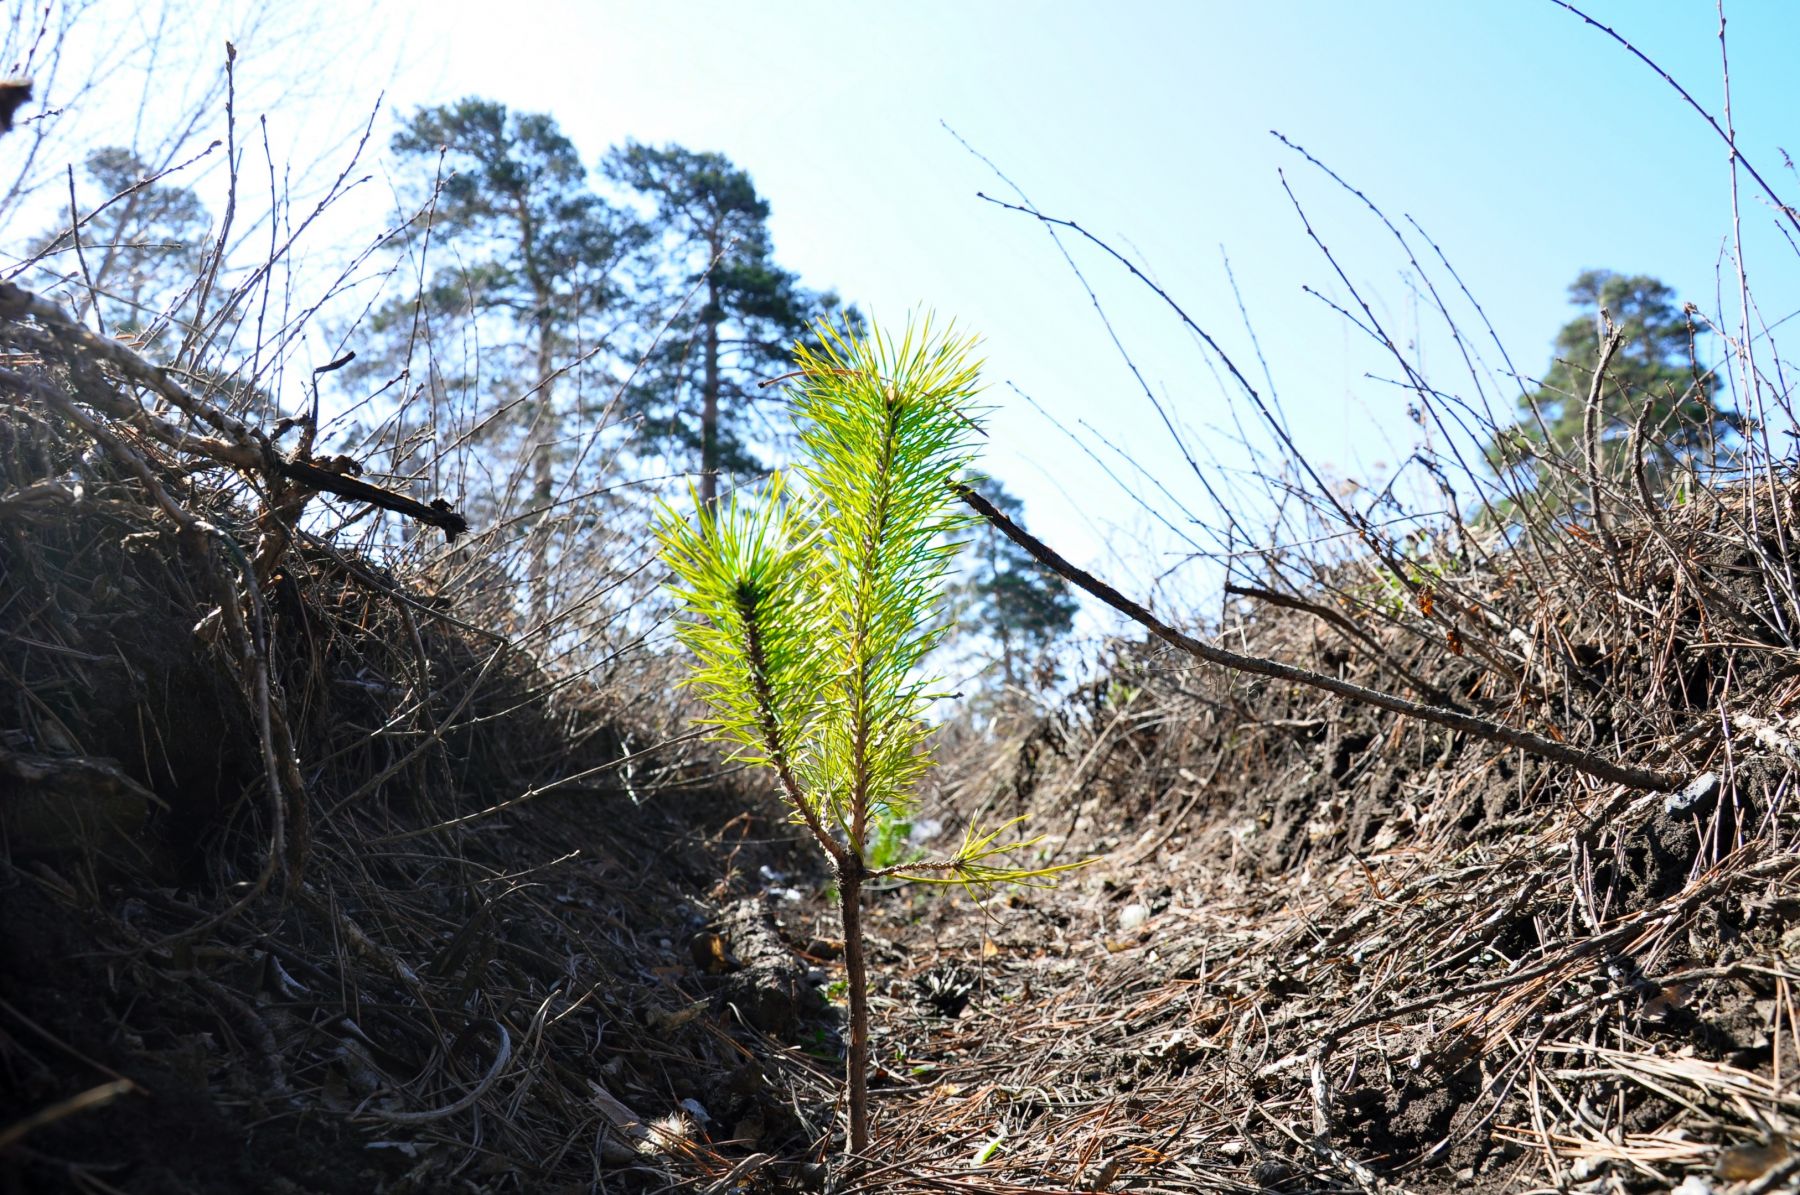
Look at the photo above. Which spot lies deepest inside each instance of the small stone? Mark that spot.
(1690, 797)
(1271, 1172)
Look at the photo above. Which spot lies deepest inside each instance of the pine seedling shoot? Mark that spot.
(811, 606)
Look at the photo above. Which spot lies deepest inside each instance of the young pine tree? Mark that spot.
(812, 606)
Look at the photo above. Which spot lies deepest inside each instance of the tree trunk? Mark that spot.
(543, 489)
(709, 391)
(850, 885)
(1001, 616)
(543, 421)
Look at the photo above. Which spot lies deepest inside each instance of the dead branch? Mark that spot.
(236, 444)
(1534, 744)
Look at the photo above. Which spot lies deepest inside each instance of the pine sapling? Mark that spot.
(811, 609)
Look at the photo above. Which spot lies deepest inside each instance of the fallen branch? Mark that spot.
(315, 475)
(1533, 744)
(87, 1101)
(1351, 631)
(502, 1056)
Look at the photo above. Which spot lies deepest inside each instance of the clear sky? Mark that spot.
(1526, 143)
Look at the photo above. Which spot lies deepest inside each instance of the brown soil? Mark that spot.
(1320, 948)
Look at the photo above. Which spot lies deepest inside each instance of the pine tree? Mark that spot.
(699, 395)
(530, 253)
(1006, 599)
(141, 250)
(811, 611)
(1654, 375)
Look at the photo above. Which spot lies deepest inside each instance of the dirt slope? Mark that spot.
(1322, 948)
(326, 888)
(312, 884)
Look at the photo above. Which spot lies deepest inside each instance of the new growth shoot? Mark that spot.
(812, 605)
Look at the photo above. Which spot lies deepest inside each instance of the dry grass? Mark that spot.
(286, 833)
(1328, 948)
(1379, 955)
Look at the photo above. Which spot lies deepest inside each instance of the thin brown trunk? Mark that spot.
(850, 885)
(544, 480)
(1002, 617)
(1007, 672)
(709, 394)
(543, 422)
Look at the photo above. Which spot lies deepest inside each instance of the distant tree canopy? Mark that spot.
(552, 298)
(698, 394)
(514, 191)
(530, 253)
(547, 294)
(1654, 376)
(142, 249)
(1011, 608)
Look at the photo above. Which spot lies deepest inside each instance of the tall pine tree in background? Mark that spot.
(526, 250)
(536, 293)
(698, 394)
(1654, 375)
(143, 264)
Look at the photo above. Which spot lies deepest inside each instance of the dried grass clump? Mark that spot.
(300, 860)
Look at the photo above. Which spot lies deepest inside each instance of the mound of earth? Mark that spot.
(312, 884)
(1320, 947)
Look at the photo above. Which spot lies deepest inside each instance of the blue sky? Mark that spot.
(1526, 143)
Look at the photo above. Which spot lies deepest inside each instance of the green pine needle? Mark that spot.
(811, 611)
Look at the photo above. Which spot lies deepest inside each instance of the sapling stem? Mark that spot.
(856, 1062)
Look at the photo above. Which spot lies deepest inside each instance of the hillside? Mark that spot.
(314, 883)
